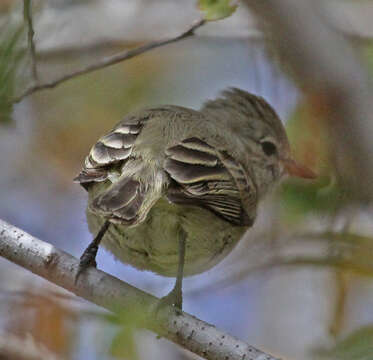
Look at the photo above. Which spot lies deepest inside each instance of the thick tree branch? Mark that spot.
(328, 69)
(27, 14)
(113, 294)
(115, 59)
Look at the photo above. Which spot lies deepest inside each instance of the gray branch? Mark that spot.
(327, 68)
(113, 294)
(111, 60)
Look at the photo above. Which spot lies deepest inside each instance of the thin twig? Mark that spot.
(101, 45)
(115, 295)
(125, 55)
(27, 14)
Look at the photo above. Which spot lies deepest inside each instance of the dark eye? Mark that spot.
(269, 148)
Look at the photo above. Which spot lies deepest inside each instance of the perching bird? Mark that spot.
(172, 190)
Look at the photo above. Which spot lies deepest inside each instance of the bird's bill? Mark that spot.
(298, 170)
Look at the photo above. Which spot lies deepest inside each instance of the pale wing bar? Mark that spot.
(111, 149)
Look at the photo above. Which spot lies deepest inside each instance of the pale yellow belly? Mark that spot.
(153, 244)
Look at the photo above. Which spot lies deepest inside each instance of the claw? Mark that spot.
(88, 259)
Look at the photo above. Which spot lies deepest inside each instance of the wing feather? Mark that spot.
(198, 174)
(110, 150)
(200, 178)
(121, 201)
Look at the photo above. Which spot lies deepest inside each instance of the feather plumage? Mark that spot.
(166, 169)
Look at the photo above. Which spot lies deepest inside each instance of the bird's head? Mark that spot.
(264, 146)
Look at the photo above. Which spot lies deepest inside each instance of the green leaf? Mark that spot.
(310, 146)
(217, 9)
(129, 320)
(323, 195)
(123, 345)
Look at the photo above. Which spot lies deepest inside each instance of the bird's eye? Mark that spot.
(269, 148)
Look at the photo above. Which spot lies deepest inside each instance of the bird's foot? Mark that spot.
(88, 259)
(173, 298)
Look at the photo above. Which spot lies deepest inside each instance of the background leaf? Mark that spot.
(217, 9)
(311, 146)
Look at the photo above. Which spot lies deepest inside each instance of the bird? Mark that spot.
(172, 190)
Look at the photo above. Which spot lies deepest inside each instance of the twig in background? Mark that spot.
(27, 14)
(115, 59)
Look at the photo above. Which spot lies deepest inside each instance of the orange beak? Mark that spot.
(298, 170)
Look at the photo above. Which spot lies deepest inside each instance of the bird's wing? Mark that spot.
(127, 200)
(134, 186)
(111, 150)
(201, 175)
(201, 178)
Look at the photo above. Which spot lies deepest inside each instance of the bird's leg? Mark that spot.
(88, 257)
(175, 296)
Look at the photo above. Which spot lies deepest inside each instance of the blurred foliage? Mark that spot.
(354, 251)
(129, 321)
(48, 320)
(6, 5)
(40, 315)
(88, 107)
(310, 146)
(217, 9)
(349, 252)
(123, 345)
(11, 55)
(356, 346)
(368, 55)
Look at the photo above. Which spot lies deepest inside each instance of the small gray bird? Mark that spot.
(172, 190)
